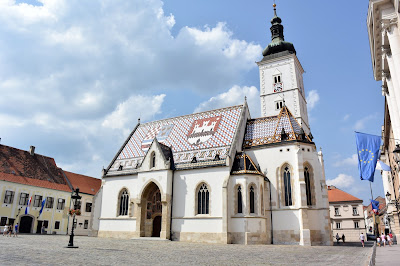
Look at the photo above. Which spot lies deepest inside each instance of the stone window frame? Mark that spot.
(8, 197)
(153, 160)
(255, 199)
(236, 205)
(119, 201)
(356, 210)
(37, 200)
(312, 183)
(282, 186)
(198, 186)
(356, 224)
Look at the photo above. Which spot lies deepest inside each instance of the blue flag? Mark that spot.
(384, 166)
(41, 209)
(368, 152)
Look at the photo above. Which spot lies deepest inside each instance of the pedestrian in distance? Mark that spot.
(5, 232)
(337, 238)
(391, 237)
(343, 237)
(378, 241)
(389, 240)
(10, 230)
(43, 228)
(362, 238)
(383, 239)
(16, 230)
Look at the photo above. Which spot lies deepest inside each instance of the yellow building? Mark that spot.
(29, 181)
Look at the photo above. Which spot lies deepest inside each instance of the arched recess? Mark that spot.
(151, 211)
(286, 182)
(203, 198)
(238, 196)
(153, 160)
(252, 198)
(123, 202)
(26, 223)
(310, 184)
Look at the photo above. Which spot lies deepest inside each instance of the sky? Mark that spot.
(75, 76)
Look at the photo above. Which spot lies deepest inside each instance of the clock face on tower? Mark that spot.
(278, 87)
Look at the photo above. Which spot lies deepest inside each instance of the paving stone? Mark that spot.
(50, 250)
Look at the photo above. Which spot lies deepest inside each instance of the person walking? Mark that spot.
(378, 241)
(389, 240)
(343, 237)
(10, 230)
(337, 238)
(362, 238)
(383, 239)
(43, 228)
(5, 230)
(16, 230)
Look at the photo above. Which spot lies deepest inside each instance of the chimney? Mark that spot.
(32, 150)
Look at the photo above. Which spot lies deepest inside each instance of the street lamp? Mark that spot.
(75, 200)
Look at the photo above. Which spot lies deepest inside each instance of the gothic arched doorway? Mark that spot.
(156, 226)
(151, 221)
(25, 224)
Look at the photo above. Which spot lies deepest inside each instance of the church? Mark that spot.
(221, 176)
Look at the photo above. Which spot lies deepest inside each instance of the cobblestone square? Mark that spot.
(50, 250)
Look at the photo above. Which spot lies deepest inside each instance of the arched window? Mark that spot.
(252, 199)
(308, 185)
(287, 184)
(124, 202)
(239, 200)
(262, 200)
(153, 160)
(203, 200)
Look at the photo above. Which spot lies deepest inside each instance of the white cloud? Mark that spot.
(360, 124)
(77, 74)
(234, 96)
(312, 99)
(346, 117)
(124, 115)
(350, 161)
(341, 181)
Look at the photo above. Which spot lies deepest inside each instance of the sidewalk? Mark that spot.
(387, 255)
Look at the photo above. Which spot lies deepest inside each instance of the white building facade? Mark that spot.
(220, 176)
(384, 38)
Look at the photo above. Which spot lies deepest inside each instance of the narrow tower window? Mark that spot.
(287, 187)
(308, 185)
(123, 203)
(239, 200)
(252, 199)
(203, 200)
(153, 160)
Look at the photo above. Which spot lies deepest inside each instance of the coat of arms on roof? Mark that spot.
(203, 129)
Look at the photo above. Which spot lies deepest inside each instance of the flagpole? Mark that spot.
(373, 213)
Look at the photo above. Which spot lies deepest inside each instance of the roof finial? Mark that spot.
(274, 5)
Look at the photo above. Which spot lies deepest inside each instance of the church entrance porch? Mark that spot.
(152, 220)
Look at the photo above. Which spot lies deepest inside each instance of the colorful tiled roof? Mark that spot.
(21, 167)
(86, 184)
(337, 195)
(201, 135)
(268, 130)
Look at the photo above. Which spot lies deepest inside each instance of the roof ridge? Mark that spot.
(180, 116)
(25, 151)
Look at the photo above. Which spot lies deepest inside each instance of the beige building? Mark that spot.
(384, 39)
(88, 187)
(347, 214)
(35, 192)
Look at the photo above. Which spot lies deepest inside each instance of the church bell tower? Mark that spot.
(281, 77)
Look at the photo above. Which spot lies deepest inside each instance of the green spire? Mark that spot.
(277, 43)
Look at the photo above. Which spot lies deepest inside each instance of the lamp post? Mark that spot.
(75, 199)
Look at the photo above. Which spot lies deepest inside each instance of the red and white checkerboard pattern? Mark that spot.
(177, 139)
